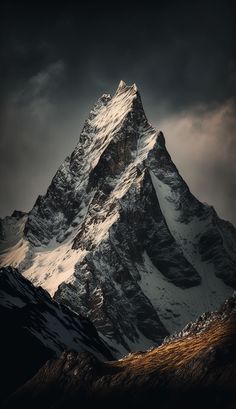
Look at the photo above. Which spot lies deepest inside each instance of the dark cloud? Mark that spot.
(35, 137)
(58, 59)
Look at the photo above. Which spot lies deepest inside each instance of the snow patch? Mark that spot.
(176, 306)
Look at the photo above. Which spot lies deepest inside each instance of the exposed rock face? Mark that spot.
(195, 369)
(119, 237)
(35, 328)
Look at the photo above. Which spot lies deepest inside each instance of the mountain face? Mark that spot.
(35, 328)
(195, 368)
(119, 237)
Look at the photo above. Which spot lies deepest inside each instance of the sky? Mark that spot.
(57, 59)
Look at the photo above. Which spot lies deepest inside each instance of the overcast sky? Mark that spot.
(57, 60)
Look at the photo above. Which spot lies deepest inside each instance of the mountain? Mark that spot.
(35, 328)
(119, 237)
(193, 369)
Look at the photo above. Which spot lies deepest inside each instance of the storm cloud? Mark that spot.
(57, 60)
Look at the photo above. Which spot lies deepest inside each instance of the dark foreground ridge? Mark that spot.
(194, 369)
(35, 328)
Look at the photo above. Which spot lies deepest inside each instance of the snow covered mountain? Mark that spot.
(119, 237)
(35, 328)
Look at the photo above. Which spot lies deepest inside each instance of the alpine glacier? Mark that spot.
(119, 237)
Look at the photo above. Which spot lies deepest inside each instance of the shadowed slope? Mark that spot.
(35, 328)
(197, 369)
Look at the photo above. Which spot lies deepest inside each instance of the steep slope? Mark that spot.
(202, 235)
(35, 328)
(119, 237)
(195, 368)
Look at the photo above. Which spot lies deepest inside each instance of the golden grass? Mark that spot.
(176, 354)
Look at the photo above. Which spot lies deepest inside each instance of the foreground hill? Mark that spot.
(35, 328)
(193, 369)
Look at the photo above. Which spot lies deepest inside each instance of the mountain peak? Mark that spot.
(122, 84)
(161, 140)
(123, 87)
